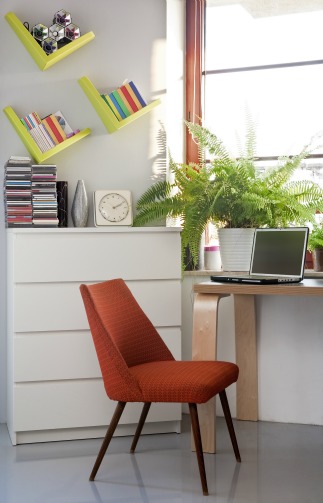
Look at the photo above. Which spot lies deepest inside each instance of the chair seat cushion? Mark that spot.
(183, 381)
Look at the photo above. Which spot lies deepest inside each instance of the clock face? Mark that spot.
(114, 207)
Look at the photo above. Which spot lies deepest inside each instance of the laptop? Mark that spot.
(278, 256)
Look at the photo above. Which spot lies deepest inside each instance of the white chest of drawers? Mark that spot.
(55, 390)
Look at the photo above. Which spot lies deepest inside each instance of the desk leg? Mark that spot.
(246, 357)
(205, 320)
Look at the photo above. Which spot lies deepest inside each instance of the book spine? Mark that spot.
(110, 104)
(33, 117)
(132, 94)
(120, 103)
(38, 139)
(50, 132)
(129, 98)
(58, 126)
(23, 121)
(116, 104)
(52, 126)
(137, 93)
(42, 137)
(47, 136)
(124, 100)
(64, 124)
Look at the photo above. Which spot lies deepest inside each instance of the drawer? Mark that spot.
(76, 404)
(59, 307)
(50, 356)
(95, 256)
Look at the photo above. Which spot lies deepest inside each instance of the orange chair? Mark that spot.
(137, 366)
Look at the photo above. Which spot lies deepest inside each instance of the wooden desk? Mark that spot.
(205, 318)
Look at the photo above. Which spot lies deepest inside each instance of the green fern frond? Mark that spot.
(229, 192)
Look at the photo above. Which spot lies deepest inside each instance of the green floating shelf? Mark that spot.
(32, 146)
(43, 60)
(106, 115)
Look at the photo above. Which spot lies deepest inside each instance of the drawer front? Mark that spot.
(59, 306)
(96, 256)
(67, 355)
(75, 404)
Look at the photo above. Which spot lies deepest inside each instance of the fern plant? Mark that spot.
(230, 192)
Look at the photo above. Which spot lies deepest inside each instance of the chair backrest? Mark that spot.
(123, 336)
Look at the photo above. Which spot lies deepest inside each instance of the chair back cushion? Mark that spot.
(123, 336)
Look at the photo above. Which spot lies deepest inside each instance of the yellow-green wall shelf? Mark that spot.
(106, 115)
(43, 60)
(32, 146)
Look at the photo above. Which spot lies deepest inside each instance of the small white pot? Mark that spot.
(236, 248)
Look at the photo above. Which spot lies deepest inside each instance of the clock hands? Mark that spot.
(117, 206)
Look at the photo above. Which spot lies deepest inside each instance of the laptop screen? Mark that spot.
(279, 252)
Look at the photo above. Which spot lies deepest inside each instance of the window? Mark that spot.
(263, 59)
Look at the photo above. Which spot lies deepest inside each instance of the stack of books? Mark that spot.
(17, 192)
(44, 195)
(124, 101)
(49, 131)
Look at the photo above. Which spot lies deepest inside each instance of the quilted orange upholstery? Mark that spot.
(184, 382)
(136, 364)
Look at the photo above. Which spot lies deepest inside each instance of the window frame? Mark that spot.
(195, 19)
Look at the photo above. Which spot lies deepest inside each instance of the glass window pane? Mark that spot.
(286, 105)
(253, 32)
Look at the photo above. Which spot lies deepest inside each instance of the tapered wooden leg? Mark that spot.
(198, 446)
(141, 423)
(109, 434)
(204, 347)
(228, 418)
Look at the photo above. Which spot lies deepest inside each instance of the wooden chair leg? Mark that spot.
(109, 434)
(141, 423)
(198, 446)
(228, 419)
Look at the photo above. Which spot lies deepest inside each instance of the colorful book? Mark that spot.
(47, 136)
(58, 126)
(110, 104)
(137, 93)
(120, 103)
(50, 132)
(125, 102)
(23, 121)
(129, 99)
(31, 120)
(116, 104)
(51, 122)
(64, 124)
(38, 138)
(132, 94)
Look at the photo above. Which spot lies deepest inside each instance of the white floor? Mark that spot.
(281, 463)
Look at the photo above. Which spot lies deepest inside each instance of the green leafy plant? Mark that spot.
(230, 192)
(315, 239)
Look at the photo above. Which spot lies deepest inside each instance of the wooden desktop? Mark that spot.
(204, 343)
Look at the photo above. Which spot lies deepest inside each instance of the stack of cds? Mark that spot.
(44, 195)
(17, 192)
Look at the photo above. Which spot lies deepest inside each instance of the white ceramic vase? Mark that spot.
(236, 248)
(80, 206)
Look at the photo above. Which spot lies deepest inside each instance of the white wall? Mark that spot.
(130, 42)
(290, 349)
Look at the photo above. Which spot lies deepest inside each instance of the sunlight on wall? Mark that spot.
(175, 78)
(157, 144)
